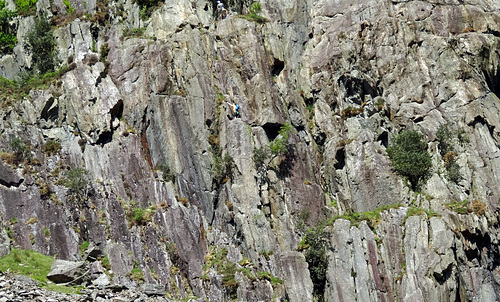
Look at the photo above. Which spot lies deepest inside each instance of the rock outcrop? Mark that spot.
(179, 195)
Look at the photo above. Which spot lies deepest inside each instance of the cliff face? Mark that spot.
(175, 188)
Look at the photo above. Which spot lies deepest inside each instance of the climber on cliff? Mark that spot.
(221, 10)
(235, 108)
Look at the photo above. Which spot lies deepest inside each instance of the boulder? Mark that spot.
(63, 271)
(152, 289)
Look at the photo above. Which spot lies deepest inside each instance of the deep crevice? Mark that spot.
(383, 138)
(104, 138)
(117, 110)
(493, 80)
(277, 67)
(272, 130)
(340, 158)
(49, 112)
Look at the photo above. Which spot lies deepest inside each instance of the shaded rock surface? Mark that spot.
(176, 196)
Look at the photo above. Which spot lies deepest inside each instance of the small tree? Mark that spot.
(42, 44)
(409, 156)
(8, 37)
(21, 150)
(78, 180)
(278, 146)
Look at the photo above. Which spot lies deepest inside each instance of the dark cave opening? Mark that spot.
(104, 138)
(383, 138)
(493, 80)
(340, 158)
(272, 130)
(277, 67)
(117, 110)
(50, 112)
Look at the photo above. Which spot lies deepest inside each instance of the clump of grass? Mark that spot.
(34, 265)
(460, 207)
(414, 211)
(352, 111)
(372, 218)
(51, 147)
(465, 207)
(268, 276)
(136, 273)
(253, 14)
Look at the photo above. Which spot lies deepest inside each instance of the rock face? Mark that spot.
(181, 197)
(63, 271)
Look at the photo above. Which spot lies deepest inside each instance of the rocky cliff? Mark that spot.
(172, 186)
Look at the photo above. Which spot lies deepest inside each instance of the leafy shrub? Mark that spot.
(409, 156)
(68, 6)
(147, 7)
(8, 37)
(253, 14)
(222, 167)
(20, 149)
(168, 175)
(25, 7)
(42, 44)
(260, 155)
(78, 180)
(51, 147)
(315, 243)
(279, 146)
(445, 138)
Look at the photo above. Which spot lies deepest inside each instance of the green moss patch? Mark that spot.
(34, 265)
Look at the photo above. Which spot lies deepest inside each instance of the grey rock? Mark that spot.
(63, 271)
(152, 289)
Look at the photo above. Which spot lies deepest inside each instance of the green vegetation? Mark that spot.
(34, 265)
(446, 139)
(137, 215)
(279, 146)
(217, 259)
(78, 180)
(20, 149)
(12, 91)
(409, 156)
(352, 111)
(314, 243)
(253, 13)
(222, 167)
(136, 273)
(466, 207)
(414, 211)
(42, 45)
(51, 147)
(105, 263)
(84, 246)
(147, 7)
(26, 7)
(168, 174)
(8, 37)
(134, 32)
(268, 276)
(266, 254)
(372, 218)
(68, 6)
